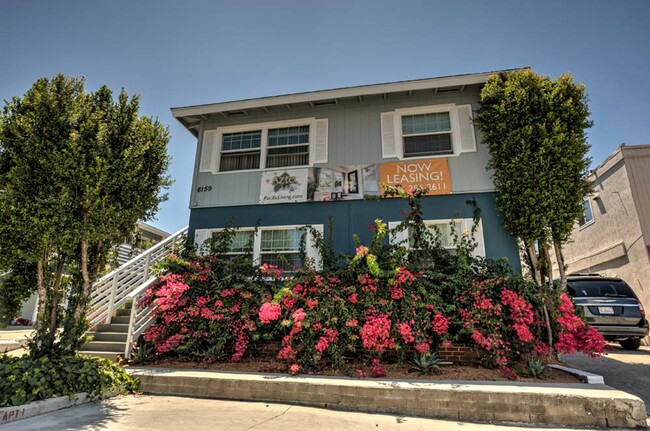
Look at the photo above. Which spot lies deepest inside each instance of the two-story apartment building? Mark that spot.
(288, 161)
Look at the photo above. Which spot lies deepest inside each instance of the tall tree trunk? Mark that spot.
(547, 263)
(534, 263)
(560, 263)
(56, 295)
(42, 300)
(86, 286)
(549, 330)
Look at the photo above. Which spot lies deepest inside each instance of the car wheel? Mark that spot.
(631, 344)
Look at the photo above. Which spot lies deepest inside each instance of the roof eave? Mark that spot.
(182, 114)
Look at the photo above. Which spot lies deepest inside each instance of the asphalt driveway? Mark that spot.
(626, 370)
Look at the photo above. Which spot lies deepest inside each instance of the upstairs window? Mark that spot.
(427, 131)
(587, 217)
(241, 151)
(272, 145)
(427, 134)
(288, 146)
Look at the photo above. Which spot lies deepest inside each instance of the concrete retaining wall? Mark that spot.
(552, 404)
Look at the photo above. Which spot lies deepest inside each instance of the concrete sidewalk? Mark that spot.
(145, 413)
(12, 338)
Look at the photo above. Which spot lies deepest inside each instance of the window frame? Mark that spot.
(235, 253)
(465, 224)
(430, 109)
(587, 223)
(264, 127)
(256, 253)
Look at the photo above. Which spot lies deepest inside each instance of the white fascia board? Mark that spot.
(313, 96)
(151, 229)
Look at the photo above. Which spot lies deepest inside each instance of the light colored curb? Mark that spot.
(10, 414)
(589, 378)
(9, 345)
(573, 405)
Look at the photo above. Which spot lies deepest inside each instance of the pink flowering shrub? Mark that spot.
(208, 305)
(380, 305)
(574, 334)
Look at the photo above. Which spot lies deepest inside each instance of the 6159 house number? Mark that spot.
(203, 189)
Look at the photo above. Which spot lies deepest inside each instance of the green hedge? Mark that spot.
(23, 380)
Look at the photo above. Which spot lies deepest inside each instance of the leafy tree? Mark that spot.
(77, 171)
(535, 129)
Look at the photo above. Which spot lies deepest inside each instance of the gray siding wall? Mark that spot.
(354, 138)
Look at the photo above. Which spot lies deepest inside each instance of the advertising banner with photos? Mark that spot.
(353, 182)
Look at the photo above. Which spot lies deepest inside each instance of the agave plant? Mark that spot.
(537, 368)
(426, 363)
(141, 354)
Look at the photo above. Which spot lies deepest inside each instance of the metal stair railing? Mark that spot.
(140, 318)
(114, 289)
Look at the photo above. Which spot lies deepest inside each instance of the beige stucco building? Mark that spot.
(613, 239)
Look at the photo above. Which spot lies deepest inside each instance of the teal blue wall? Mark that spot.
(352, 217)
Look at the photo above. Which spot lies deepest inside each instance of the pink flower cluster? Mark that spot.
(576, 335)
(362, 251)
(407, 332)
(327, 339)
(440, 324)
(375, 333)
(521, 314)
(271, 271)
(269, 312)
(377, 369)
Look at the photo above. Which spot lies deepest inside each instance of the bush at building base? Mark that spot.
(385, 303)
(25, 379)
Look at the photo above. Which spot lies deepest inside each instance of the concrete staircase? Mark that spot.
(108, 340)
(115, 323)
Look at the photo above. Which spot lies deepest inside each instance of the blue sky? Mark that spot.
(192, 52)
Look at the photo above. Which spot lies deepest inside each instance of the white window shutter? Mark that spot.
(312, 251)
(466, 127)
(200, 236)
(320, 140)
(207, 150)
(388, 135)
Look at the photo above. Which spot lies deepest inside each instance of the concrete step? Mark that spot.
(108, 336)
(105, 346)
(108, 355)
(123, 312)
(113, 327)
(574, 405)
(121, 319)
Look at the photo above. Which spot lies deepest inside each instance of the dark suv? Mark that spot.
(610, 306)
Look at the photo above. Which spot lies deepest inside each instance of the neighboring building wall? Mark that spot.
(149, 236)
(613, 244)
(637, 161)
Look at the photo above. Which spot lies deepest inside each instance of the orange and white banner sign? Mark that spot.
(431, 173)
